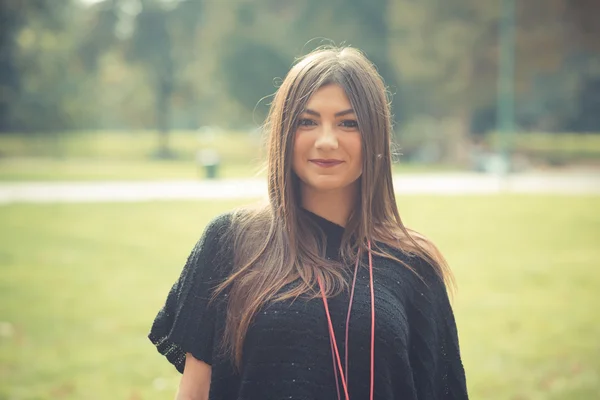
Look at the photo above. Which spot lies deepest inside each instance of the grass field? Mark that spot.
(80, 285)
(47, 169)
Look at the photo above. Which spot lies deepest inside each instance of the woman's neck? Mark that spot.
(335, 205)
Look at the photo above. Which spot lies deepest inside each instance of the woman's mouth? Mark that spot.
(326, 163)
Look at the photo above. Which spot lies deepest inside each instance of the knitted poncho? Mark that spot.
(287, 353)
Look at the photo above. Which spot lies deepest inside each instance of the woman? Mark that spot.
(322, 293)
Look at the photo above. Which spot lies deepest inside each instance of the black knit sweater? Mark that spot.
(287, 353)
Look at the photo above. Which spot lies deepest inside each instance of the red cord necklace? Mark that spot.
(335, 354)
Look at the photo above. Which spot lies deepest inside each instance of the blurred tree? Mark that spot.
(100, 36)
(35, 52)
(178, 63)
(254, 81)
(156, 35)
(151, 46)
(254, 60)
(583, 18)
(443, 53)
(446, 55)
(11, 21)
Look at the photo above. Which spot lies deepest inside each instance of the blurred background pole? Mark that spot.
(506, 74)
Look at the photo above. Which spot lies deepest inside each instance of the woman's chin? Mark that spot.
(326, 183)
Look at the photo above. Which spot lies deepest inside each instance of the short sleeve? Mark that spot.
(186, 323)
(435, 357)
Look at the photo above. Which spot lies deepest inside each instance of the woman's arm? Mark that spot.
(195, 381)
(438, 371)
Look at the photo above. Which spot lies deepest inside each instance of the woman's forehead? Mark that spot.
(329, 97)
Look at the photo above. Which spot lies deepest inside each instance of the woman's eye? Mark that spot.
(306, 122)
(349, 123)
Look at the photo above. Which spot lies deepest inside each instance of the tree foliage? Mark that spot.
(187, 63)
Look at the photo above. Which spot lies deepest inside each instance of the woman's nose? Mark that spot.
(327, 139)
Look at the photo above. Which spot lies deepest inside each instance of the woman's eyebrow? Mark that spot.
(337, 114)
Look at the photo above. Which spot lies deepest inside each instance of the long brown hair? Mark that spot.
(272, 245)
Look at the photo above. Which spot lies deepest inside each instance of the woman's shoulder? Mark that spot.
(226, 228)
(422, 266)
(214, 235)
(220, 223)
(412, 263)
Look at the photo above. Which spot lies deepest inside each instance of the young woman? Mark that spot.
(323, 293)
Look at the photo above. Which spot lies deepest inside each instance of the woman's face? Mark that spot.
(328, 149)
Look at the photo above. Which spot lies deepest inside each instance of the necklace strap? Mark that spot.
(335, 354)
(348, 317)
(372, 322)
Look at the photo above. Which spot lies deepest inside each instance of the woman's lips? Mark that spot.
(326, 163)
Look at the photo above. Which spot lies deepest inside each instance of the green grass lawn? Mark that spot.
(80, 285)
(45, 169)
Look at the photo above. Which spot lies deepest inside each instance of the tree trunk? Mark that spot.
(457, 136)
(164, 91)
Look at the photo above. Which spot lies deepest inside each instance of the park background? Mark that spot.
(125, 92)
